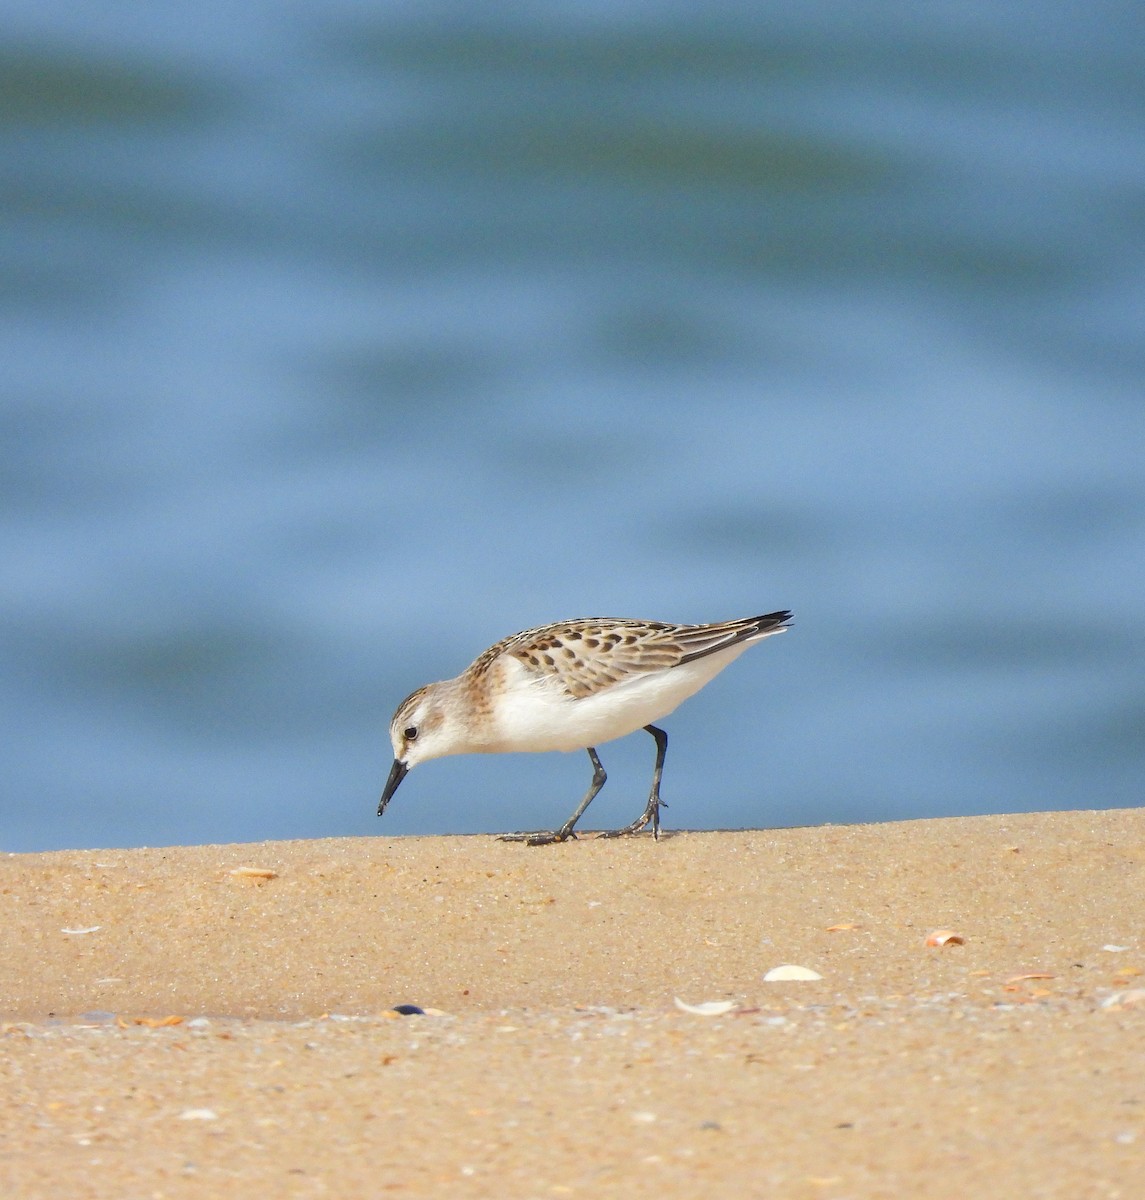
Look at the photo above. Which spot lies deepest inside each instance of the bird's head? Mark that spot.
(420, 730)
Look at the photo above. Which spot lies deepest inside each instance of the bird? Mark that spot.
(570, 685)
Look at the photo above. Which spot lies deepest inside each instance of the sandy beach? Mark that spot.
(219, 1020)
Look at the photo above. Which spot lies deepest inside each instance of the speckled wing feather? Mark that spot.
(595, 653)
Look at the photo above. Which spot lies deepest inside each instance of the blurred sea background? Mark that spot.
(340, 339)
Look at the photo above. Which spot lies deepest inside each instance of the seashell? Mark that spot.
(709, 1008)
(945, 937)
(790, 974)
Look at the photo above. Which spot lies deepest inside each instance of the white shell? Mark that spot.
(709, 1008)
(787, 974)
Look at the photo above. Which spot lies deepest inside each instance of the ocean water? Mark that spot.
(339, 340)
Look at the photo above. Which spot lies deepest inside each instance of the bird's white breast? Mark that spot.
(534, 713)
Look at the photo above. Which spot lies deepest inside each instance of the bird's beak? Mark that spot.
(397, 774)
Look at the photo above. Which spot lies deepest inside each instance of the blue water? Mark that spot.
(338, 340)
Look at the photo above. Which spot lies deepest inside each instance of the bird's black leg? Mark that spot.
(652, 808)
(545, 837)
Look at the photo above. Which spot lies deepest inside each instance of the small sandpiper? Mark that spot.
(570, 686)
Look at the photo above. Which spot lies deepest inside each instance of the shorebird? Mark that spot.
(570, 686)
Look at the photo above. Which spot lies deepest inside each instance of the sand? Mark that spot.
(174, 1029)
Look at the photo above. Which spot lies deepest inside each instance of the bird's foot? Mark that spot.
(540, 837)
(650, 813)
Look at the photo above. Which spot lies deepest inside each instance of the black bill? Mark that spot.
(397, 774)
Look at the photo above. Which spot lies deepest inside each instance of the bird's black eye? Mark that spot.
(410, 734)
